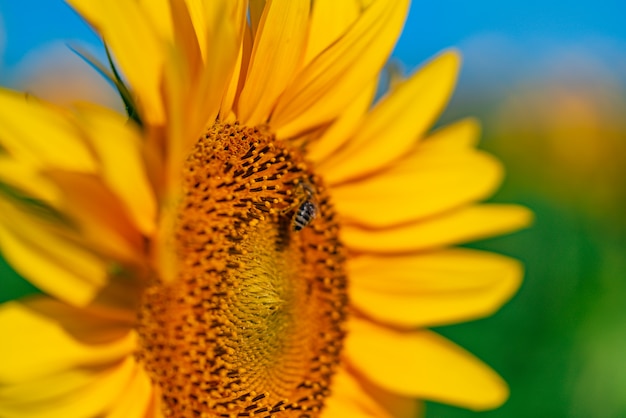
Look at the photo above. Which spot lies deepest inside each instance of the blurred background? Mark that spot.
(548, 81)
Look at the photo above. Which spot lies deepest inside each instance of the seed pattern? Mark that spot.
(253, 325)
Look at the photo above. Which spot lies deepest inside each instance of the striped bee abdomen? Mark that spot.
(304, 215)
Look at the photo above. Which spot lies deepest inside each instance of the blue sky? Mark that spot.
(497, 38)
(433, 25)
(31, 23)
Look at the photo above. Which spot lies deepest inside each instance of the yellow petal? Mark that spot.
(459, 135)
(28, 180)
(227, 108)
(341, 130)
(323, 89)
(223, 38)
(352, 396)
(137, 398)
(134, 39)
(16, 397)
(329, 20)
(77, 393)
(155, 410)
(423, 364)
(349, 399)
(336, 408)
(100, 218)
(341, 408)
(422, 184)
(53, 264)
(177, 133)
(194, 89)
(119, 148)
(185, 36)
(239, 72)
(37, 179)
(431, 289)
(200, 18)
(38, 134)
(67, 266)
(457, 227)
(276, 55)
(397, 122)
(205, 16)
(49, 337)
(395, 405)
(159, 14)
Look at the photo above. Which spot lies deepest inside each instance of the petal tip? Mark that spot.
(450, 58)
(493, 398)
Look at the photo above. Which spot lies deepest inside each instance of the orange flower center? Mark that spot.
(253, 323)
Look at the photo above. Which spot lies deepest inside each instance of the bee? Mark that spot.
(304, 215)
(307, 208)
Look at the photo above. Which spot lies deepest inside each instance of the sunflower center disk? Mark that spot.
(253, 324)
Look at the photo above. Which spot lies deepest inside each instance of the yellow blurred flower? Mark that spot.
(566, 138)
(263, 240)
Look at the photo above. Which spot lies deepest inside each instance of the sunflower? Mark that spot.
(257, 236)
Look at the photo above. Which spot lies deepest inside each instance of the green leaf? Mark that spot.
(12, 284)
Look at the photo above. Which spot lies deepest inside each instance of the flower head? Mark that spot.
(256, 237)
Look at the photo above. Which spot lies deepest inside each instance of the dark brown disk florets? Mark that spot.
(253, 323)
